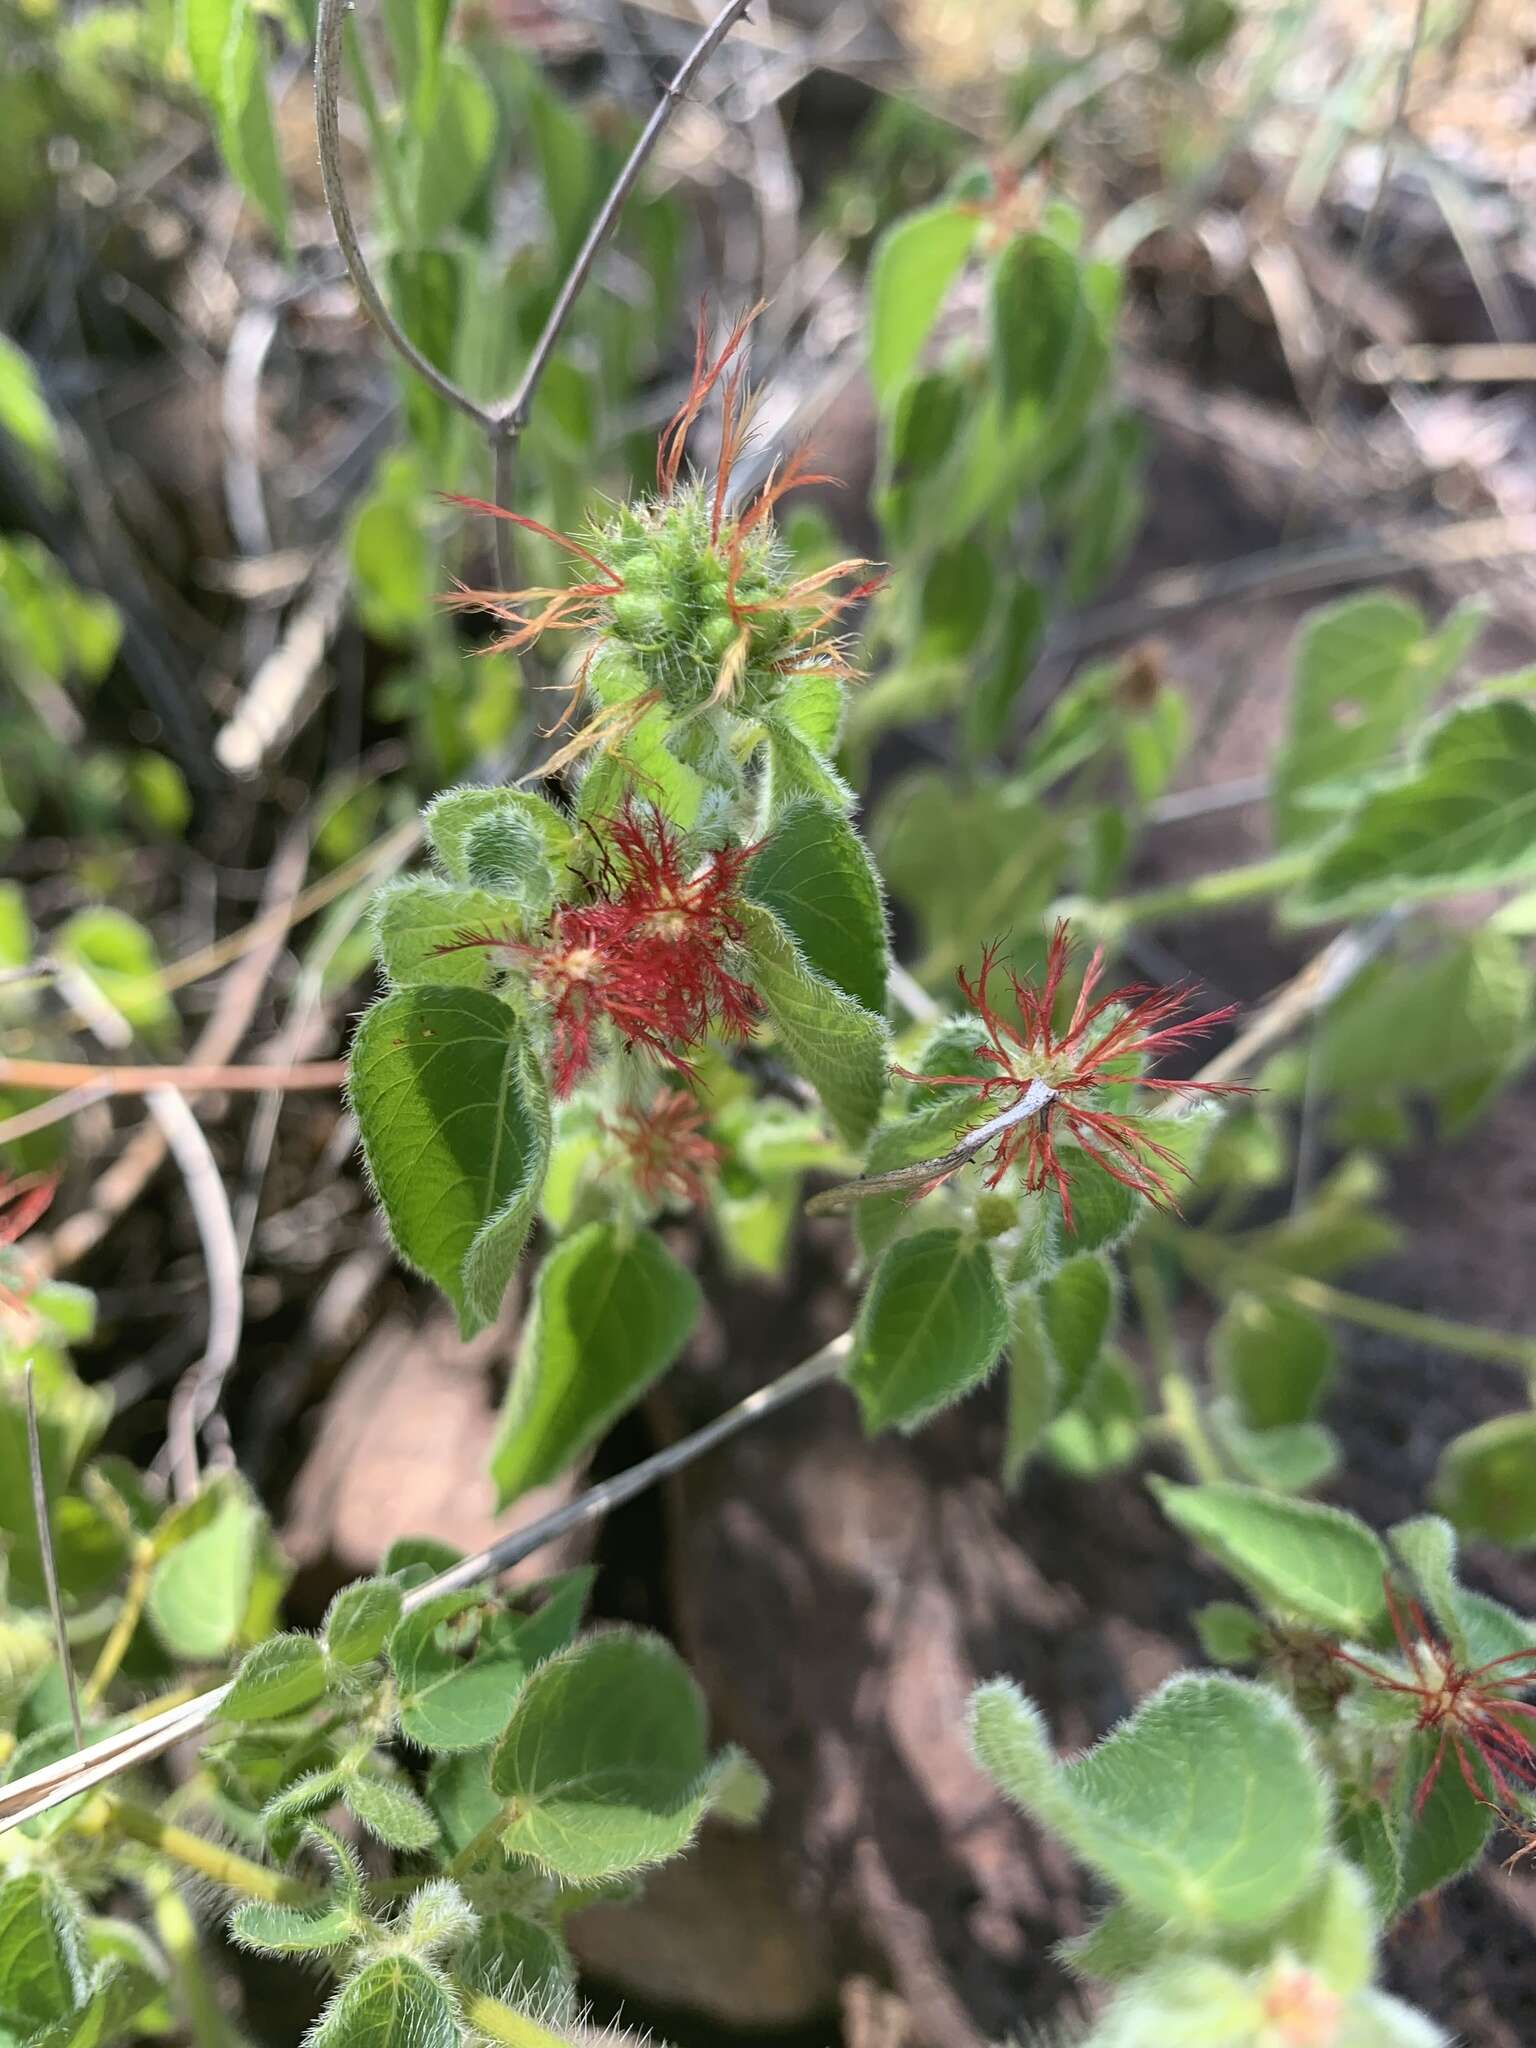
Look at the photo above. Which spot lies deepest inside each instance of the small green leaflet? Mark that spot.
(43, 1972)
(838, 1045)
(909, 277)
(359, 1620)
(200, 1589)
(455, 1128)
(611, 1309)
(390, 2002)
(1306, 1562)
(456, 814)
(816, 876)
(1365, 672)
(456, 1689)
(1463, 818)
(1486, 1481)
(417, 920)
(931, 1327)
(1205, 1808)
(603, 1764)
(281, 1676)
(228, 59)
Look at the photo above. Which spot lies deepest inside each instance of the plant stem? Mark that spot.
(1471, 1340)
(115, 1648)
(1181, 1401)
(1201, 894)
(1231, 1269)
(484, 1840)
(226, 1867)
(499, 2022)
(194, 1992)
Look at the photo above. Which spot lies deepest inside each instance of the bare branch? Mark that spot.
(197, 1395)
(328, 30)
(501, 424)
(510, 419)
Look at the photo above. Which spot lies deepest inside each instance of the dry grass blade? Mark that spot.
(45, 1547)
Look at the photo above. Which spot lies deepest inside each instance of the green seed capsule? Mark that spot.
(718, 635)
(643, 572)
(614, 676)
(639, 617)
(994, 1214)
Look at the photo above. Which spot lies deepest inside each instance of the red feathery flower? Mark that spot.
(1474, 1710)
(1048, 1073)
(648, 953)
(666, 1153)
(672, 928)
(23, 1202)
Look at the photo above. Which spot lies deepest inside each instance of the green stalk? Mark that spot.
(1470, 1340)
(499, 2022)
(1181, 1416)
(225, 1867)
(115, 1648)
(480, 1845)
(192, 1988)
(1201, 894)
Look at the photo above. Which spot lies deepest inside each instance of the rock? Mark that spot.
(401, 1451)
(717, 1932)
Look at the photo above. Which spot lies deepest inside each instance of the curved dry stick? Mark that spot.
(512, 417)
(329, 24)
(53, 1783)
(501, 424)
(197, 1393)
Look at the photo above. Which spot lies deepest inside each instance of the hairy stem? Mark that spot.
(115, 1648)
(482, 1842)
(1181, 1416)
(225, 1867)
(500, 2022)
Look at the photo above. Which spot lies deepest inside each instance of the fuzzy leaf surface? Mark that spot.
(1463, 818)
(456, 1134)
(611, 1310)
(1205, 1807)
(838, 1045)
(456, 1689)
(1306, 1562)
(388, 2003)
(43, 1974)
(814, 873)
(604, 1759)
(931, 1327)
